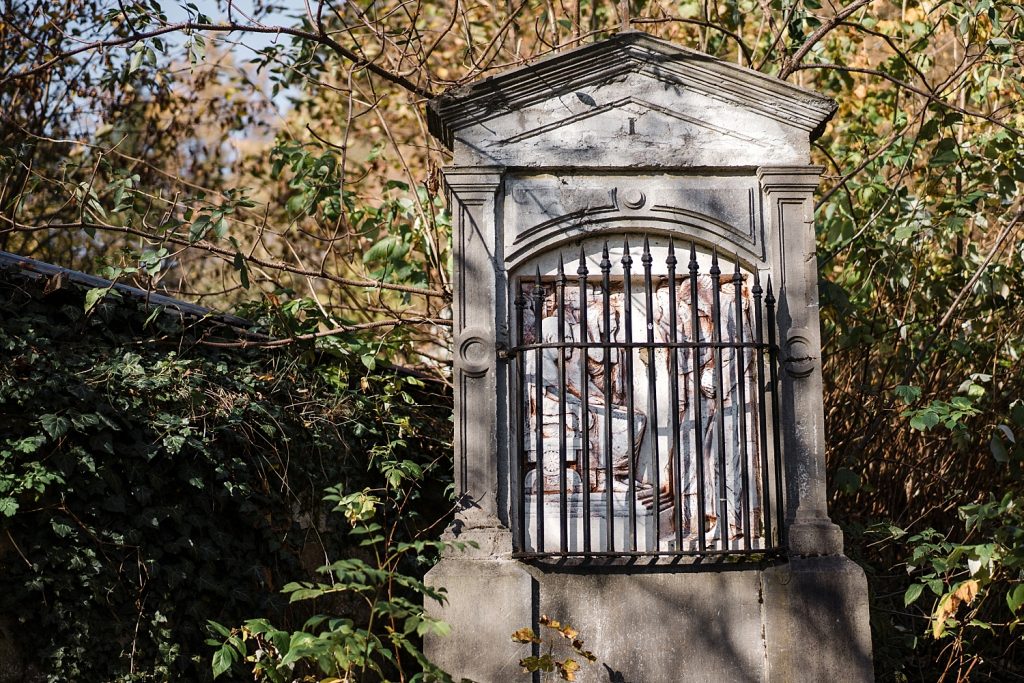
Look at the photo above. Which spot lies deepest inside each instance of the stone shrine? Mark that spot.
(639, 430)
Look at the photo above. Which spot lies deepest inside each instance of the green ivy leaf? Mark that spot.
(912, 594)
(907, 394)
(8, 506)
(94, 296)
(924, 420)
(199, 228)
(55, 425)
(1015, 598)
(223, 659)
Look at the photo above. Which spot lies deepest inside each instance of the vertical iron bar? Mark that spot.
(563, 507)
(698, 421)
(773, 359)
(627, 293)
(606, 337)
(584, 398)
(652, 391)
(538, 359)
(673, 376)
(766, 508)
(523, 415)
(740, 358)
(716, 333)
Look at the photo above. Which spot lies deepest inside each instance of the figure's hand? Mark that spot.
(707, 383)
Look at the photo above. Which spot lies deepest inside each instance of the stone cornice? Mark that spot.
(789, 178)
(624, 53)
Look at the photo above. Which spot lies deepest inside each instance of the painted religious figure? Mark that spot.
(716, 403)
(715, 436)
(581, 366)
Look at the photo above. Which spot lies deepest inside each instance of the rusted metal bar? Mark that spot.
(523, 420)
(652, 390)
(722, 525)
(675, 450)
(582, 272)
(627, 292)
(538, 385)
(606, 337)
(740, 361)
(773, 360)
(698, 421)
(563, 506)
(762, 421)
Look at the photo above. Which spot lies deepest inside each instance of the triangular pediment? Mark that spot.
(629, 109)
(629, 85)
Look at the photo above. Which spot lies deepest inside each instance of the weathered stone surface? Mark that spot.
(488, 600)
(803, 620)
(816, 621)
(629, 101)
(543, 210)
(702, 625)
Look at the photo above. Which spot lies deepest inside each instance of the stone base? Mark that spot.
(801, 620)
(817, 626)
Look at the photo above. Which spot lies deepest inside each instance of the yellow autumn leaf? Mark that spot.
(525, 635)
(965, 594)
(568, 669)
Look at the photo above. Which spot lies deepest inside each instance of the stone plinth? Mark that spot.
(789, 621)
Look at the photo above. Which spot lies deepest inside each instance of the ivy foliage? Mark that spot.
(151, 482)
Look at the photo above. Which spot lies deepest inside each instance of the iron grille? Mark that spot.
(597, 360)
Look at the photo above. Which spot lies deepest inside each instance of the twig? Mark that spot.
(186, 26)
(277, 343)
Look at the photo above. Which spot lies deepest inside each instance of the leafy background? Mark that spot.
(153, 481)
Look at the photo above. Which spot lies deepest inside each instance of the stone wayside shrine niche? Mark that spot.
(639, 432)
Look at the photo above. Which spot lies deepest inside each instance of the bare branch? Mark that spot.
(792, 63)
(188, 26)
(210, 247)
(333, 332)
(914, 89)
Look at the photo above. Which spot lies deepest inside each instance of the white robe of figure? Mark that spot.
(729, 407)
(588, 425)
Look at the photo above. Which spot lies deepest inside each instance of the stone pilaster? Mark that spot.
(788, 205)
(478, 281)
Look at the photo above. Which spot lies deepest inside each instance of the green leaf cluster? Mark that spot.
(150, 483)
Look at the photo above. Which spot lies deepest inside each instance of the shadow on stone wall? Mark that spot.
(714, 622)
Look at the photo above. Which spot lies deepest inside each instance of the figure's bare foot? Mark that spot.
(622, 485)
(646, 494)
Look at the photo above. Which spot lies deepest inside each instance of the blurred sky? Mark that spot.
(243, 45)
